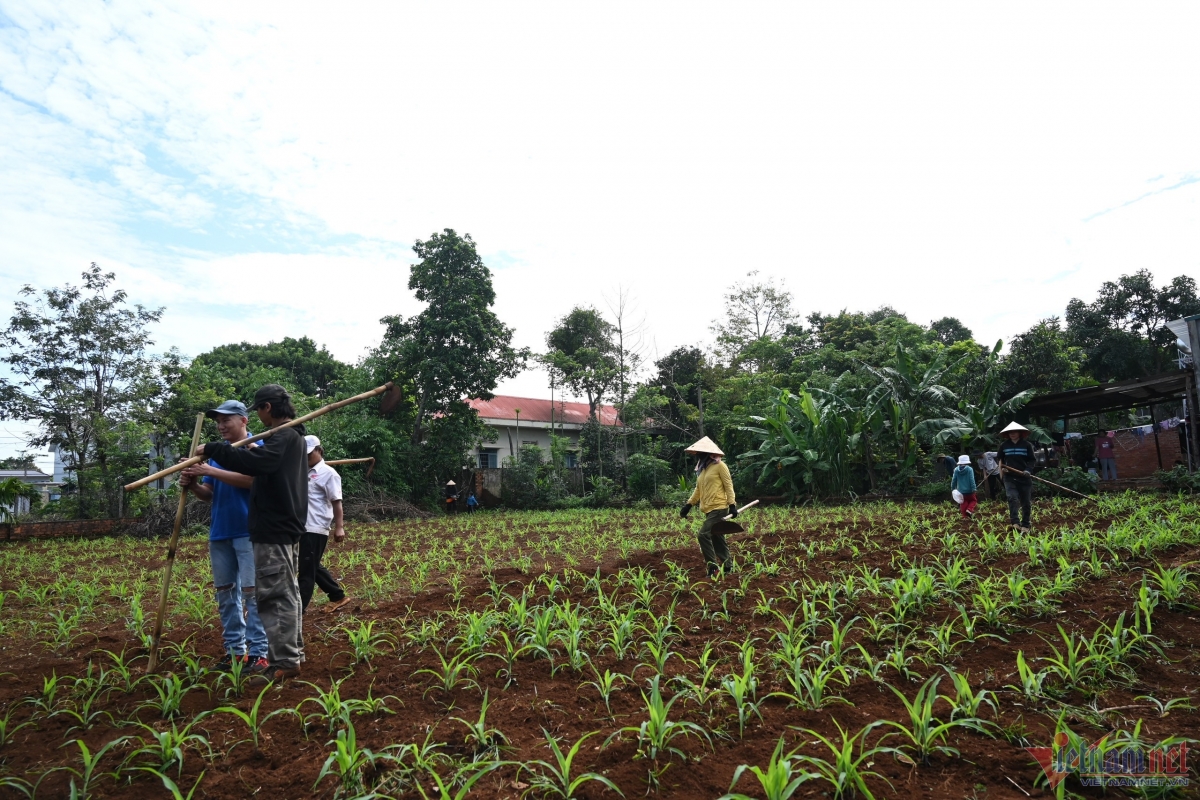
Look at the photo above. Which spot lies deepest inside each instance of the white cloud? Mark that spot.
(940, 159)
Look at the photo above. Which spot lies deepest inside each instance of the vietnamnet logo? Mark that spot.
(1105, 763)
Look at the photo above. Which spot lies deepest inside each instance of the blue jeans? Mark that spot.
(233, 575)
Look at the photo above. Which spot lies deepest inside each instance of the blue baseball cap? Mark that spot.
(233, 407)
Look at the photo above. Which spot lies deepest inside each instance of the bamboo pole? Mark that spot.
(129, 487)
(166, 584)
(1048, 483)
(349, 461)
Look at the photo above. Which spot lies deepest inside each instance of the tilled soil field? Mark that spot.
(474, 642)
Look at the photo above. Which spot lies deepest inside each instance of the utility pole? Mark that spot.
(700, 403)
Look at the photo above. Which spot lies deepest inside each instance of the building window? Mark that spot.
(572, 459)
(488, 458)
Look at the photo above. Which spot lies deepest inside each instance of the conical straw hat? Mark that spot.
(451, 483)
(706, 445)
(1015, 426)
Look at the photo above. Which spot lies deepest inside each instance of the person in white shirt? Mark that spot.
(990, 467)
(324, 513)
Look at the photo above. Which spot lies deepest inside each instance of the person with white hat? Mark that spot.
(451, 496)
(714, 494)
(324, 515)
(962, 480)
(1017, 459)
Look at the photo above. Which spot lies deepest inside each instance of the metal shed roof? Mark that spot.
(1111, 396)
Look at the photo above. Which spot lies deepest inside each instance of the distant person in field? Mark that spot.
(229, 549)
(714, 494)
(324, 515)
(1107, 456)
(990, 469)
(1017, 455)
(472, 503)
(962, 480)
(278, 512)
(451, 496)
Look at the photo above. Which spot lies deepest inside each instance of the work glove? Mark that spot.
(683, 512)
(733, 509)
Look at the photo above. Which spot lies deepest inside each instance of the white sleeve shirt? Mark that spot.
(324, 487)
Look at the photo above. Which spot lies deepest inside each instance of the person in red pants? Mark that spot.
(962, 480)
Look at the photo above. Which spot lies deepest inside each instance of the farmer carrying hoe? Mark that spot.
(1017, 459)
(714, 494)
(278, 511)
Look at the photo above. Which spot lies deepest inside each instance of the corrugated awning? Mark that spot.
(1111, 396)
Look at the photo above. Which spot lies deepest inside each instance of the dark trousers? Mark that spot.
(712, 543)
(313, 572)
(1020, 497)
(994, 486)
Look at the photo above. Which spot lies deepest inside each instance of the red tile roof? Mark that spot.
(538, 410)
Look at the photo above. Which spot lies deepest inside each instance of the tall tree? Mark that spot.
(949, 330)
(1123, 331)
(78, 357)
(582, 350)
(756, 312)
(1042, 359)
(310, 370)
(456, 348)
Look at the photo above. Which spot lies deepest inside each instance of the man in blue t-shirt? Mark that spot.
(229, 548)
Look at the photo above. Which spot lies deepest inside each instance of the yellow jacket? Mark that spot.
(714, 489)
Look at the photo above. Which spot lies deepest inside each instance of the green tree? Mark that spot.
(581, 349)
(78, 356)
(1042, 360)
(950, 330)
(757, 314)
(456, 348)
(305, 367)
(11, 490)
(1123, 332)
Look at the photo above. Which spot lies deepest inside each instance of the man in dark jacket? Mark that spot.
(278, 510)
(1017, 459)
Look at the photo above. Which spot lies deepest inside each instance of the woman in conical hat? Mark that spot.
(1017, 459)
(714, 494)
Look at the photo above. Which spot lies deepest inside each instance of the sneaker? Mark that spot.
(276, 674)
(257, 665)
(226, 663)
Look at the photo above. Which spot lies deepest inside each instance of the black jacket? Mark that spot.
(279, 494)
(1017, 455)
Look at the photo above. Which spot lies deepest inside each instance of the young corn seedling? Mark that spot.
(509, 654)
(89, 766)
(1069, 664)
(172, 787)
(810, 685)
(331, 710)
(253, 719)
(556, 780)
(483, 740)
(8, 728)
(1174, 585)
(657, 734)
(742, 688)
(1147, 601)
(925, 732)
(452, 673)
(1164, 709)
(348, 762)
(122, 675)
(848, 768)
(1033, 684)
(367, 643)
(967, 703)
(606, 685)
(779, 781)
(169, 691)
(165, 748)
(702, 688)
(85, 712)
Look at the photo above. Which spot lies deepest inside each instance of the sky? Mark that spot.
(262, 169)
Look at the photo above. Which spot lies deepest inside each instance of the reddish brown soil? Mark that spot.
(288, 762)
